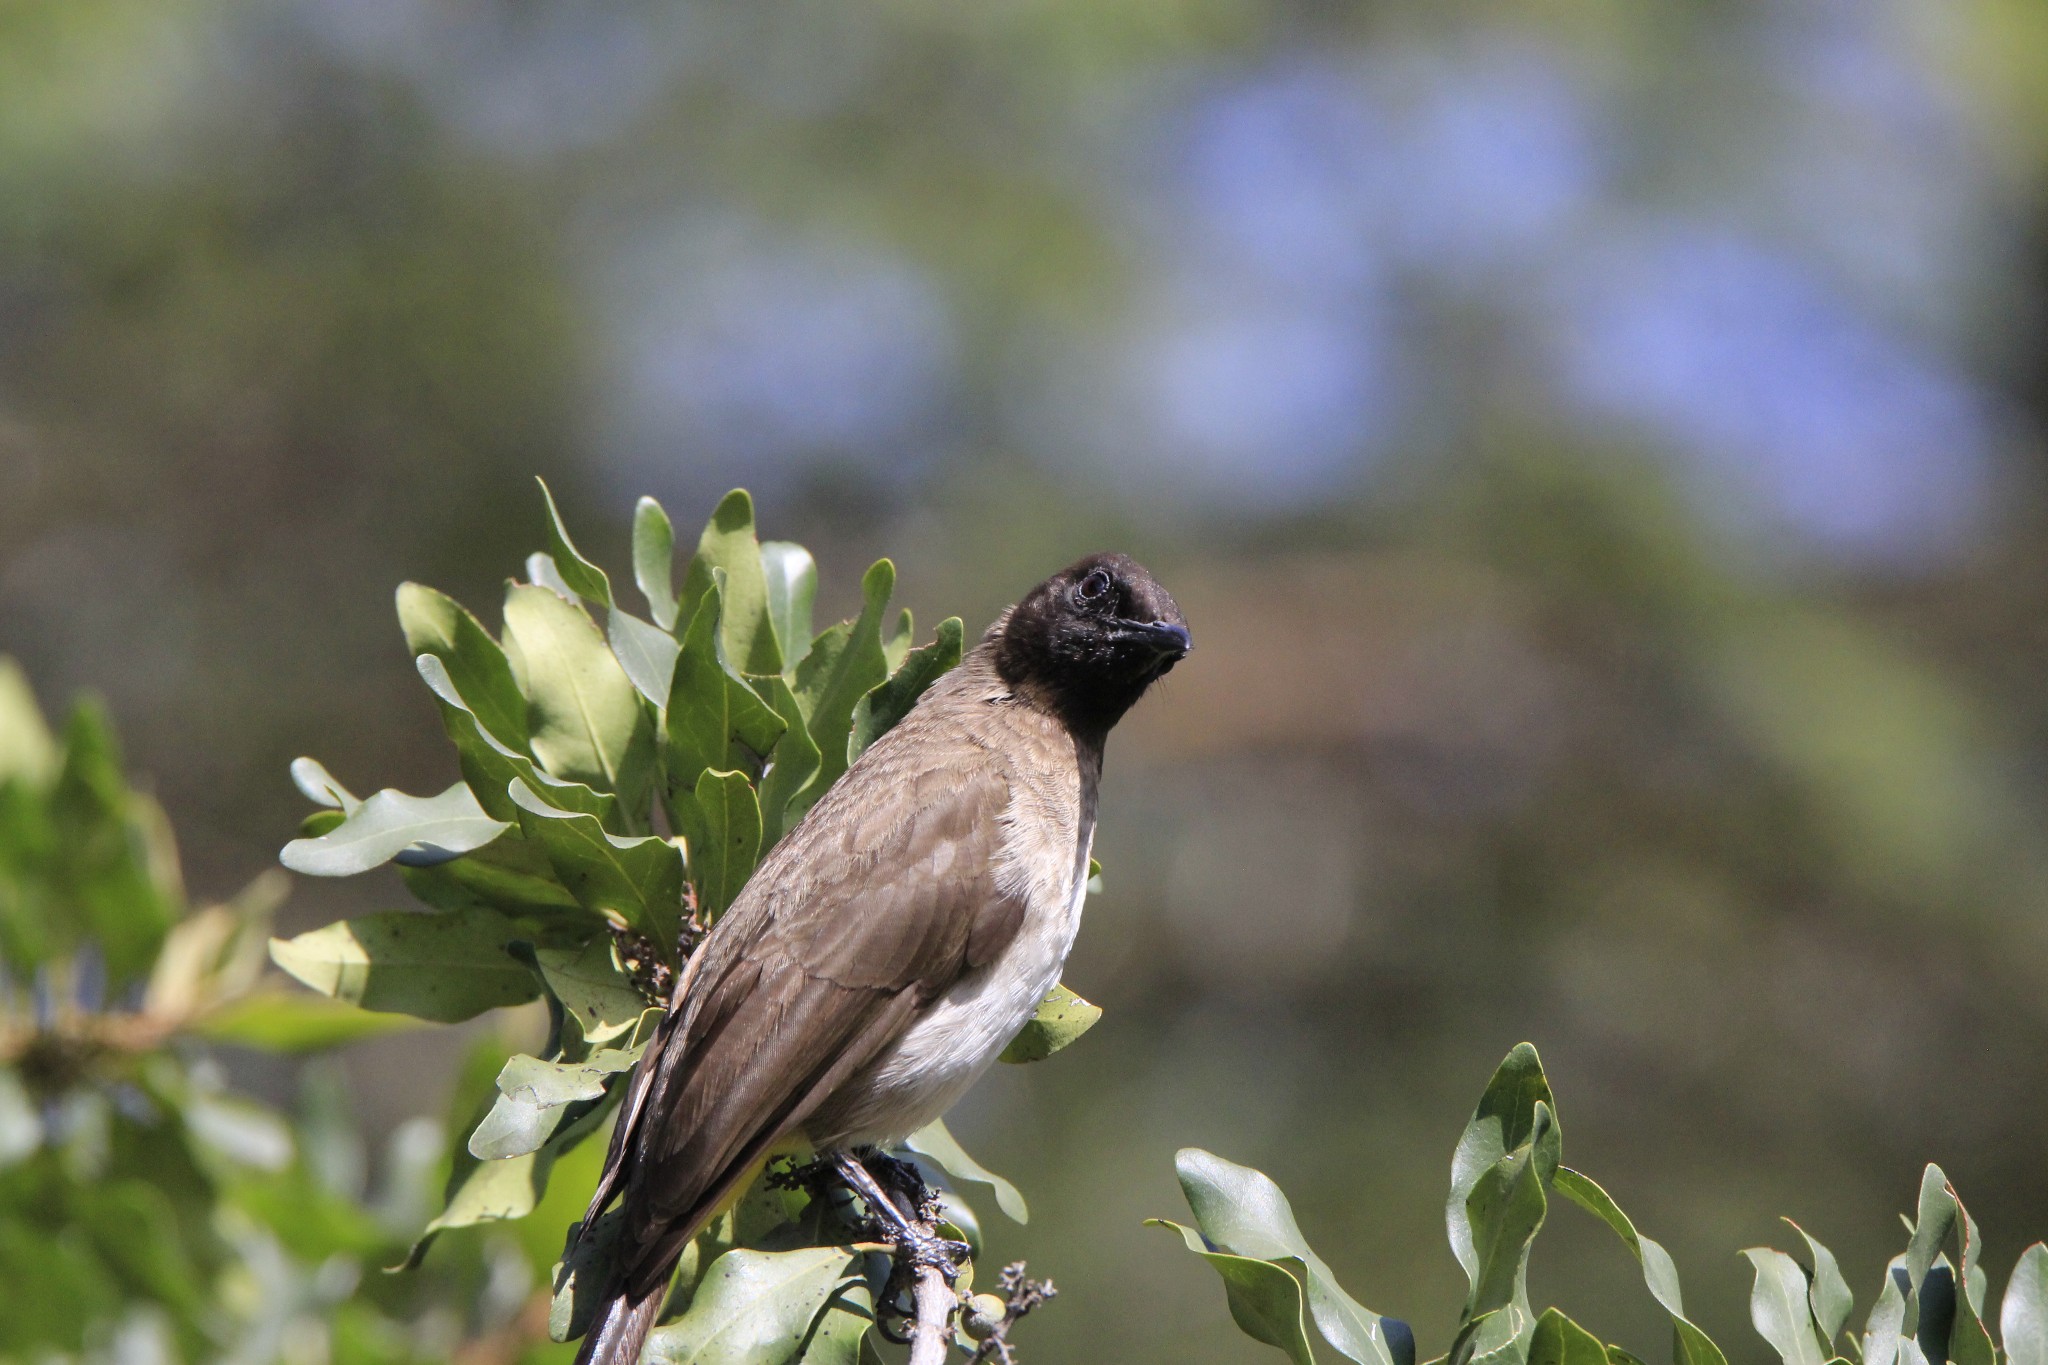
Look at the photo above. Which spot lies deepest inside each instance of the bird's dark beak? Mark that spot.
(1169, 638)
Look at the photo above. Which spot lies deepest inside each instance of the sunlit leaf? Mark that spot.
(638, 880)
(489, 767)
(587, 981)
(792, 763)
(792, 584)
(654, 561)
(273, 1021)
(536, 1096)
(1828, 1292)
(716, 722)
(27, 749)
(844, 663)
(584, 578)
(728, 545)
(446, 967)
(647, 653)
(722, 827)
(1061, 1018)
(1241, 1211)
(1504, 1161)
(319, 786)
(2023, 1315)
(418, 830)
(1560, 1341)
(1265, 1297)
(1779, 1310)
(890, 701)
(754, 1308)
(588, 722)
(935, 1141)
(436, 624)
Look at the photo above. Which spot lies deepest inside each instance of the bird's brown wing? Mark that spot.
(875, 904)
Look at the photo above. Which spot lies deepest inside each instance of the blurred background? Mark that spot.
(1599, 448)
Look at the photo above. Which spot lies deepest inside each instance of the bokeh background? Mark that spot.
(1598, 445)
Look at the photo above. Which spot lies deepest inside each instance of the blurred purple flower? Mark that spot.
(1777, 391)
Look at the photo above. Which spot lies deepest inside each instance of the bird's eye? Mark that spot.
(1093, 586)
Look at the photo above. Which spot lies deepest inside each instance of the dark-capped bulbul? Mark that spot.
(897, 938)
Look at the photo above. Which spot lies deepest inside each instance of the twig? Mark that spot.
(1020, 1296)
(931, 1260)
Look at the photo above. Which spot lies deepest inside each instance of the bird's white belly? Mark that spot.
(962, 1033)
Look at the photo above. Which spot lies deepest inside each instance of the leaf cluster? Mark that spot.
(622, 774)
(1508, 1165)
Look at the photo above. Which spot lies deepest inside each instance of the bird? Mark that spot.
(895, 940)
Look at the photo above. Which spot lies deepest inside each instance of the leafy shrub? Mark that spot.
(147, 1212)
(621, 776)
(1507, 1166)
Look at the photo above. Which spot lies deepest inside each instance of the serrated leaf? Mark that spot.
(588, 722)
(445, 967)
(722, 827)
(728, 545)
(1242, 1211)
(1061, 1018)
(716, 722)
(792, 763)
(436, 624)
(1828, 1293)
(937, 1142)
(1690, 1346)
(890, 701)
(489, 768)
(637, 880)
(581, 576)
(1265, 1297)
(319, 786)
(536, 1096)
(1560, 1341)
(272, 1021)
(754, 1308)
(601, 999)
(654, 561)
(1779, 1310)
(2023, 1315)
(844, 663)
(419, 831)
(791, 577)
(647, 653)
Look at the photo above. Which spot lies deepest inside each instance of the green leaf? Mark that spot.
(1828, 1294)
(754, 1308)
(647, 653)
(890, 701)
(27, 749)
(584, 578)
(715, 721)
(792, 584)
(722, 826)
(542, 573)
(1265, 1297)
(639, 881)
(2023, 1316)
(1690, 1346)
(272, 1021)
(603, 1001)
(654, 561)
(792, 763)
(510, 876)
(1241, 1211)
(417, 830)
(436, 624)
(1884, 1331)
(589, 724)
(535, 1097)
(1061, 1018)
(728, 543)
(1969, 1341)
(445, 967)
(934, 1140)
(1779, 1309)
(896, 647)
(1506, 1158)
(1560, 1341)
(1935, 1218)
(490, 768)
(844, 664)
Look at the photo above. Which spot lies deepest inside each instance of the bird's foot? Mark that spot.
(914, 1235)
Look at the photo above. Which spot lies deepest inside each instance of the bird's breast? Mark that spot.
(1043, 861)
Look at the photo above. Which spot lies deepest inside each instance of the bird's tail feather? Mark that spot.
(620, 1332)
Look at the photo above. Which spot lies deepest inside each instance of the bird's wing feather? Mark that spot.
(876, 903)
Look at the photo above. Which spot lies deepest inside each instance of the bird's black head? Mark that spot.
(1090, 640)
